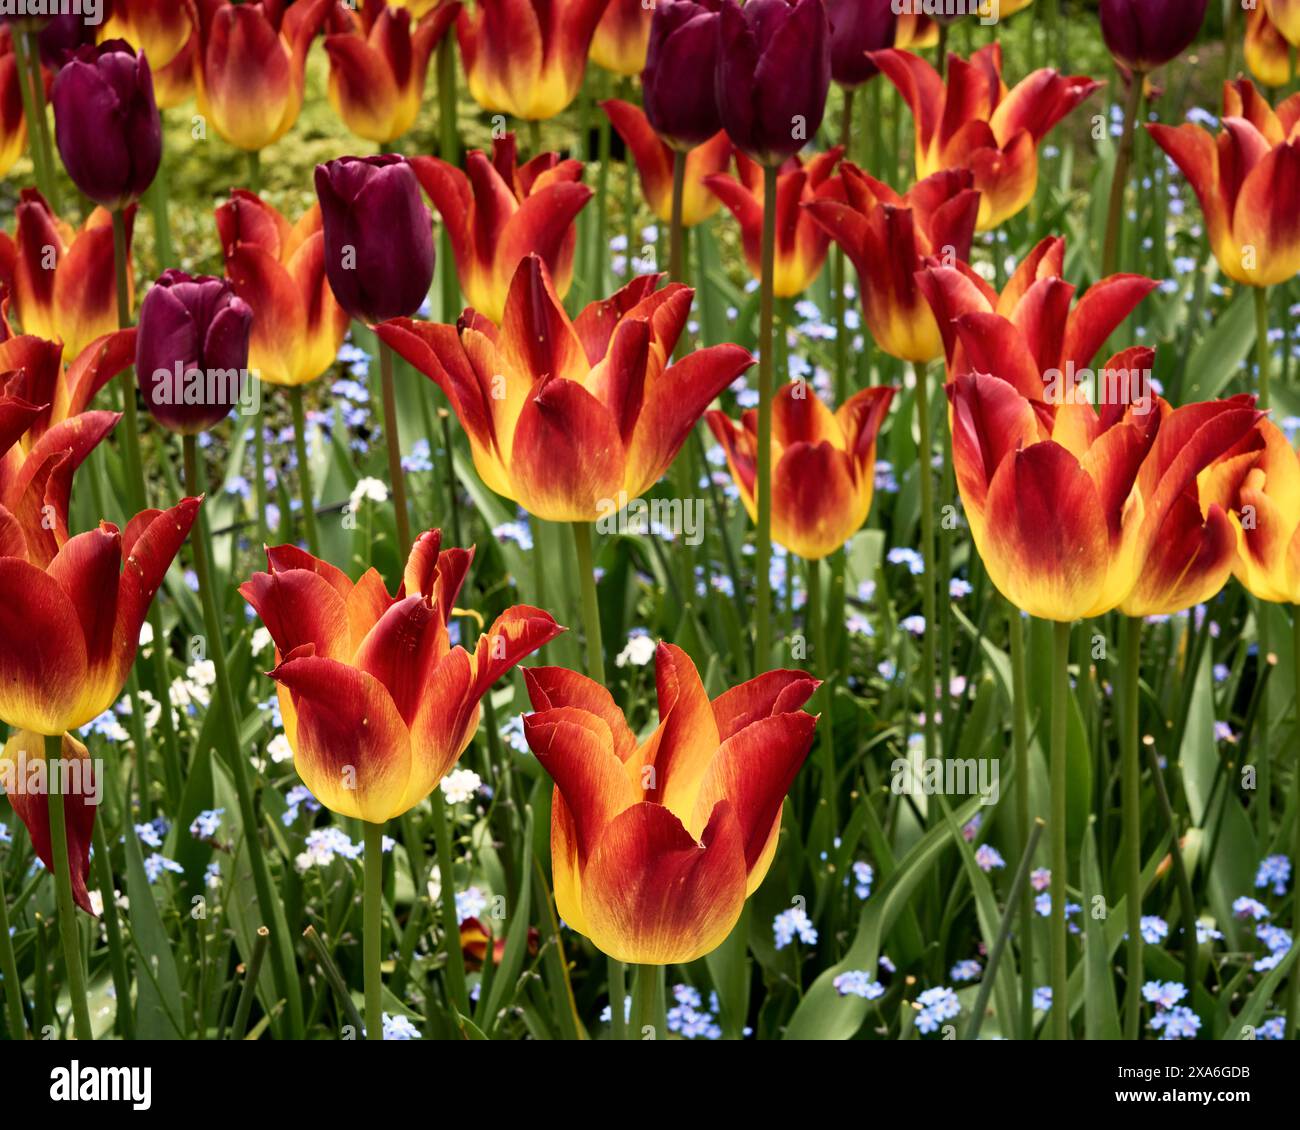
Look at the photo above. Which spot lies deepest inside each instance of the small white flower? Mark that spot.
(279, 750)
(368, 489)
(204, 672)
(261, 640)
(639, 651)
(146, 634)
(460, 785)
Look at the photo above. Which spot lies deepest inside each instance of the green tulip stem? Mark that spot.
(929, 700)
(449, 151)
(766, 368)
(816, 615)
(393, 441)
(1263, 354)
(1024, 823)
(283, 965)
(1119, 181)
(457, 992)
(69, 933)
(159, 204)
(304, 471)
(373, 928)
(677, 231)
(1131, 808)
(1059, 953)
(13, 987)
(1293, 989)
(25, 49)
(648, 1021)
(590, 602)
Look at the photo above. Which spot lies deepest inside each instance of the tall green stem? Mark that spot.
(816, 617)
(393, 442)
(1293, 991)
(928, 601)
(766, 366)
(69, 934)
(449, 151)
(283, 965)
(645, 1003)
(1020, 746)
(1060, 865)
(455, 968)
(25, 49)
(1131, 806)
(1119, 182)
(1263, 348)
(373, 928)
(9, 971)
(677, 233)
(158, 195)
(304, 470)
(590, 602)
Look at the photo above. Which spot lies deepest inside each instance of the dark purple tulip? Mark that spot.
(773, 75)
(378, 236)
(63, 37)
(1145, 34)
(678, 80)
(859, 26)
(191, 351)
(106, 122)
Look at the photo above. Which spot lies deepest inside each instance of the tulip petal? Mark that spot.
(550, 688)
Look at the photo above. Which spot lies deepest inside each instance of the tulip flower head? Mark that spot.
(1077, 512)
(859, 27)
(572, 419)
(655, 847)
(502, 211)
(1266, 51)
(1285, 15)
(63, 280)
(166, 32)
(622, 36)
(13, 124)
(678, 83)
(890, 238)
(801, 242)
(773, 75)
(1145, 34)
(824, 465)
(970, 120)
(1248, 182)
(250, 71)
(24, 768)
(527, 58)
(106, 123)
(70, 627)
(279, 270)
(654, 161)
(191, 354)
(379, 253)
(378, 66)
(377, 704)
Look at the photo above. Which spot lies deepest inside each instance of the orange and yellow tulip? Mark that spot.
(279, 270)
(1248, 182)
(622, 37)
(1285, 15)
(971, 121)
(378, 66)
(63, 281)
(527, 58)
(890, 238)
(1259, 484)
(71, 621)
(1031, 330)
(823, 465)
(915, 31)
(166, 32)
(654, 161)
(377, 704)
(656, 846)
(13, 123)
(250, 70)
(801, 242)
(1267, 53)
(571, 419)
(1077, 512)
(502, 211)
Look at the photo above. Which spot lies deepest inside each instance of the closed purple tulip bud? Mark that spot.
(63, 37)
(1145, 34)
(191, 351)
(106, 122)
(773, 75)
(678, 81)
(859, 26)
(379, 253)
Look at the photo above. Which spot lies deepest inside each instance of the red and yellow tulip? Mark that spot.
(71, 624)
(1259, 484)
(279, 270)
(1031, 329)
(1285, 15)
(971, 121)
(571, 419)
(654, 161)
(13, 123)
(62, 280)
(377, 704)
(1248, 182)
(378, 66)
(250, 70)
(801, 242)
(890, 238)
(823, 465)
(622, 37)
(502, 211)
(166, 32)
(1077, 512)
(655, 846)
(527, 58)
(1267, 53)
